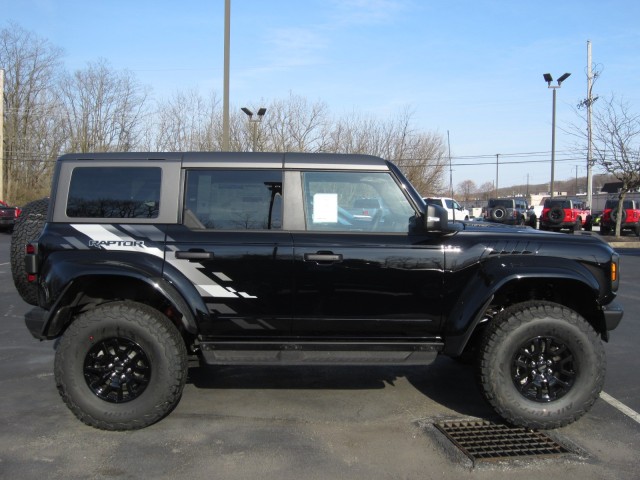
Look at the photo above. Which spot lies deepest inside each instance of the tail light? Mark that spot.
(31, 261)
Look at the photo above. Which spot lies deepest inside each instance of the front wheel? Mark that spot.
(121, 366)
(541, 365)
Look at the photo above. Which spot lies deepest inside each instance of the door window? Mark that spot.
(355, 201)
(233, 200)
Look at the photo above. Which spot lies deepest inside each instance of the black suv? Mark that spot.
(148, 260)
(510, 211)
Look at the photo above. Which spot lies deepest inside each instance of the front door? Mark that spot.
(364, 272)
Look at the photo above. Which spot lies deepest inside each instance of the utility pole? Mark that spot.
(589, 134)
(497, 160)
(450, 169)
(1, 133)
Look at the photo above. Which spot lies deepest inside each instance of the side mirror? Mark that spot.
(436, 219)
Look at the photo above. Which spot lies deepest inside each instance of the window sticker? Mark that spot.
(325, 208)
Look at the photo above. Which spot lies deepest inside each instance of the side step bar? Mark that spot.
(320, 353)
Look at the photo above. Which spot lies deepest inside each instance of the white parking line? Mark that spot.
(620, 406)
(6, 263)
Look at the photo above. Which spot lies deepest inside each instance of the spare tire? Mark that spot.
(26, 229)
(499, 214)
(614, 215)
(556, 215)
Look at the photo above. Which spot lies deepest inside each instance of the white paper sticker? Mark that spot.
(325, 208)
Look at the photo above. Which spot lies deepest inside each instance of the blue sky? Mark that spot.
(471, 68)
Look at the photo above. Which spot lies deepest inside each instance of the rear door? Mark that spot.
(232, 248)
(363, 277)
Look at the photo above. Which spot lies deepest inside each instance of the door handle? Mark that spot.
(321, 257)
(194, 255)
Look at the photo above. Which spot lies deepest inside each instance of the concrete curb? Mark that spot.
(632, 244)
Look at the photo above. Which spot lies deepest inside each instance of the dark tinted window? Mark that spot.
(627, 205)
(114, 192)
(557, 203)
(501, 202)
(234, 199)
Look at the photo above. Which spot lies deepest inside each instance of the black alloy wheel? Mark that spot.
(117, 370)
(543, 369)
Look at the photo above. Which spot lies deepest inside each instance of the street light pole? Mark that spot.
(255, 122)
(548, 78)
(225, 96)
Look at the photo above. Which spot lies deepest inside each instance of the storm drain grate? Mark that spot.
(486, 441)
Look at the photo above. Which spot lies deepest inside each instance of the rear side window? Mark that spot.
(114, 192)
(233, 200)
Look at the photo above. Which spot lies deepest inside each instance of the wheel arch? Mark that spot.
(97, 288)
(577, 290)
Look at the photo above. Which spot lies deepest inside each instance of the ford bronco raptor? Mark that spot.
(147, 260)
(565, 213)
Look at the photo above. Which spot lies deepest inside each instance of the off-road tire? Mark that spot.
(26, 229)
(143, 379)
(614, 215)
(556, 215)
(499, 214)
(541, 341)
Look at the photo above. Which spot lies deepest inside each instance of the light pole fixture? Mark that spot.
(548, 78)
(255, 122)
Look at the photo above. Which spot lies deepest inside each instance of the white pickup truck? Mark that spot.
(454, 209)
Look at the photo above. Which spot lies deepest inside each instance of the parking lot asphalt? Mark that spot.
(303, 423)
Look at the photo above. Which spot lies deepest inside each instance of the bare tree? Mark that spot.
(32, 135)
(103, 109)
(485, 191)
(616, 145)
(293, 125)
(420, 155)
(467, 188)
(187, 121)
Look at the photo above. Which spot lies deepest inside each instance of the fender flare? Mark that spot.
(60, 312)
(482, 289)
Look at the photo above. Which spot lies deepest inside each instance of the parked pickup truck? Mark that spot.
(453, 208)
(8, 216)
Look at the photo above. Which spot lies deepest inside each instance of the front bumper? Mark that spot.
(612, 315)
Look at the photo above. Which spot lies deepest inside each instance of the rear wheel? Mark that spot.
(541, 365)
(121, 366)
